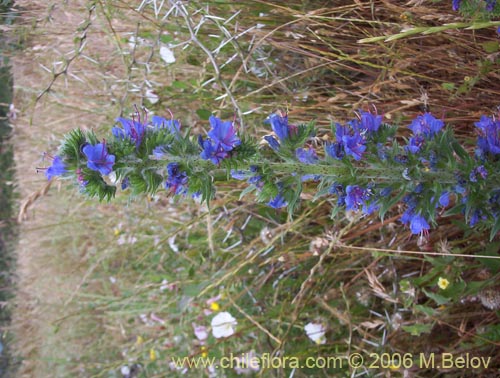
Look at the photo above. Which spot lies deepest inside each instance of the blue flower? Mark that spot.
(417, 222)
(415, 144)
(401, 159)
(57, 168)
(477, 216)
(223, 133)
(252, 176)
(280, 126)
(370, 208)
(335, 150)
(176, 181)
(354, 145)
(370, 122)
(240, 175)
(310, 177)
(277, 202)
(132, 130)
(159, 151)
(444, 199)
(161, 123)
(355, 197)
(426, 125)
(338, 189)
(98, 158)
(273, 143)
(489, 138)
(213, 152)
(478, 172)
(125, 183)
(308, 156)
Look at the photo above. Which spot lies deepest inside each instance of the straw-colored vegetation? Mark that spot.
(107, 286)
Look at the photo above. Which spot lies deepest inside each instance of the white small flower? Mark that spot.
(223, 325)
(171, 244)
(151, 96)
(316, 332)
(164, 285)
(200, 332)
(125, 370)
(167, 55)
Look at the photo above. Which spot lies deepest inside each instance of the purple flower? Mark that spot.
(355, 197)
(213, 152)
(176, 181)
(81, 178)
(354, 145)
(308, 156)
(490, 5)
(456, 4)
(277, 202)
(280, 126)
(370, 122)
(161, 123)
(426, 125)
(223, 133)
(98, 158)
(131, 129)
(57, 168)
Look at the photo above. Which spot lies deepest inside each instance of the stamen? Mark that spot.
(171, 114)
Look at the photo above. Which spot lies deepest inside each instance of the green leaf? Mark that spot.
(495, 228)
(418, 329)
(448, 86)
(180, 84)
(439, 299)
(166, 38)
(490, 46)
(429, 311)
(204, 114)
(491, 250)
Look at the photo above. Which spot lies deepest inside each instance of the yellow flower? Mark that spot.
(214, 306)
(204, 352)
(116, 231)
(152, 354)
(139, 340)
(443, 283)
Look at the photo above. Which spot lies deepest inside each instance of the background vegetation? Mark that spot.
(103, 288)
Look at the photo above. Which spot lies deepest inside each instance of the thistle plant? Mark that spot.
(365, 165)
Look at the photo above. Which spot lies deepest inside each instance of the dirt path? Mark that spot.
(52, 252)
